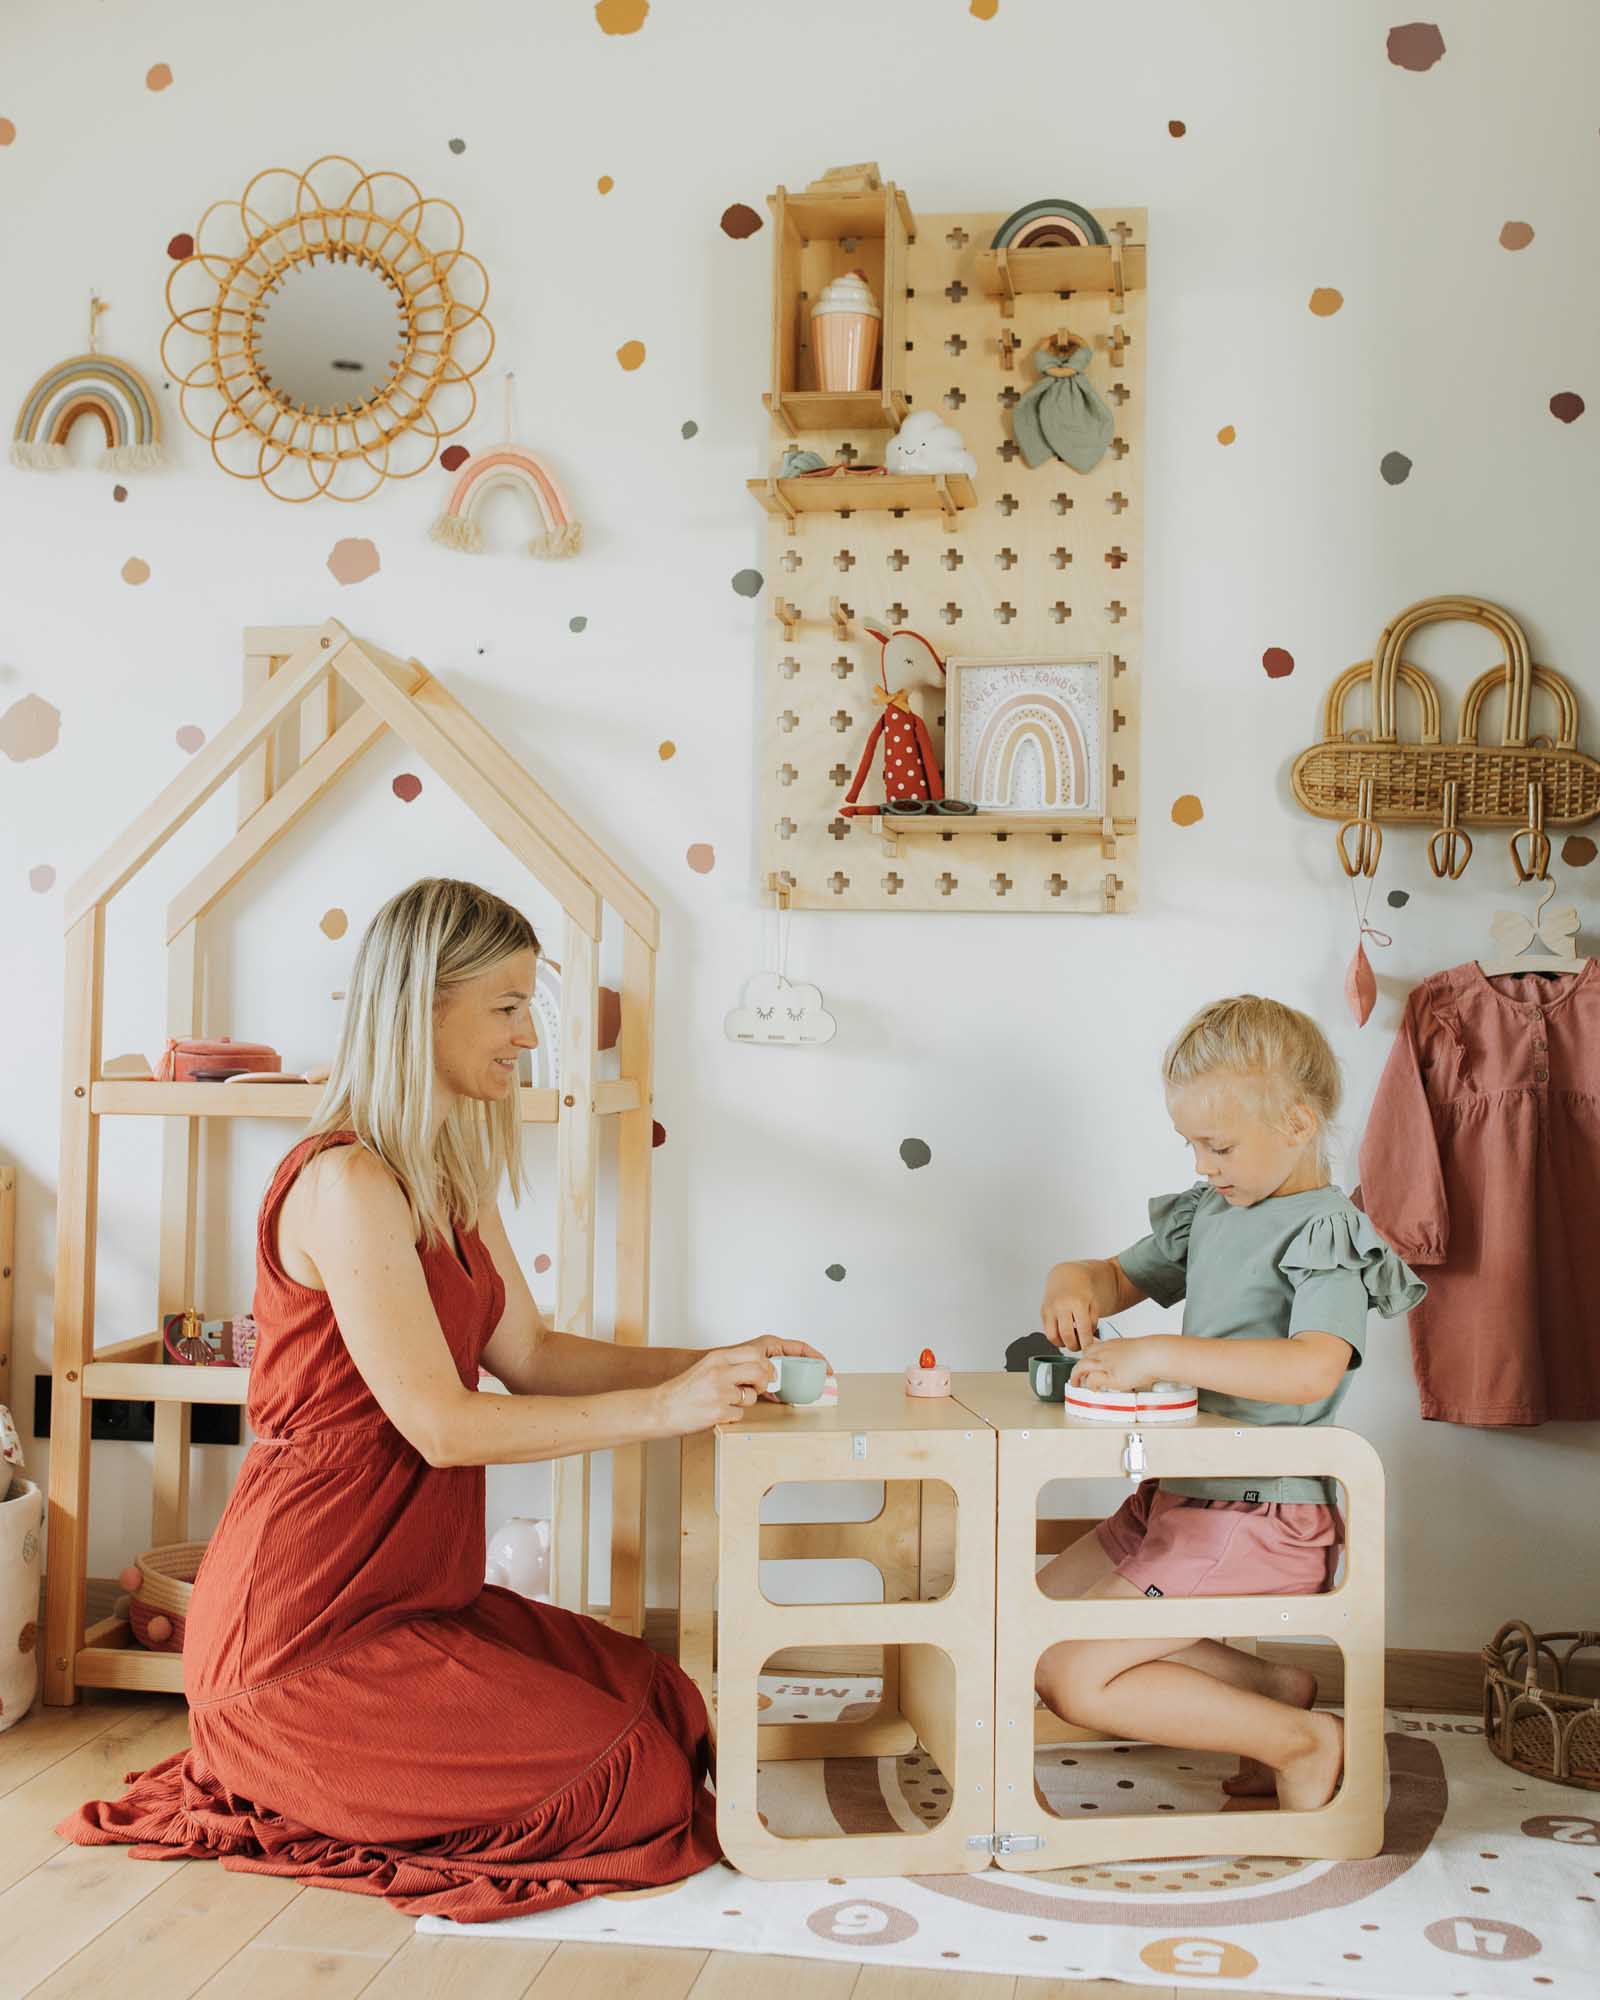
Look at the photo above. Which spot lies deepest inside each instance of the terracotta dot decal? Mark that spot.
(1227, 434)
(1176, 127)
(577, 624)
(631, 354)
(190, 737)
(666, 750)
(42, 878)
(690, 429)
(1278, 662)
(334, 923)
(1418, 45)
(29, 728)
(1578, 850)
(353, 560)
(915, 1152)
(1187, 811)
(836, 1272)
(608, 1020)
(180, 246)
(458, 145)
(605, 184)
(984, 10)
(158, 76)
(1516, 235)
(1395, 467)
(119, 492)
(621, 17)
(740, 221)
(658, 1133)
(1398, 898)
(1325, 301)
(136, 570)
(453, 457)
(702, 857)
(407, 787)
(1566, 407)
(8, 132)
(748, 582)
(541, 1263)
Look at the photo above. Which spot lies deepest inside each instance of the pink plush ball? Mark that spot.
(159, 1629)
(132, 1577)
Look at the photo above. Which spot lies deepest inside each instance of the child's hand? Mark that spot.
(1069, 1314)
(1118, 1364)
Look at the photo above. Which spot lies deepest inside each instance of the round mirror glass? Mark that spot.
(329, 333)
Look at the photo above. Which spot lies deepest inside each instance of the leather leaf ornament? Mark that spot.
(1360, 986)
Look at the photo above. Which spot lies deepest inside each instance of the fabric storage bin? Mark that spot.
(21, 1534)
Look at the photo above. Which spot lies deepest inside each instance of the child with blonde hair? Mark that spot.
(1277, 1270)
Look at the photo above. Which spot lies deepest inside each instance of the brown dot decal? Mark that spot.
(334, 923)
(631, 354)
(29, 728)
(1577, 850)
(453, 457)
(702, 857)
(608, 1021)
(180, 246)
(41, 879)
(740, 221)
(541, 1263)
(8, 132)
(158, 76)
(407, 787)
(1418, 45)
(353, 560)
(1227, 434)
(1325, 301)
(1278, 662)
(1516, 235)
(26, 1637)
(119, 492)
(136, 570)
(1187, 811)
(621, 17)
(190, 737)
(605, 184)
(666, 750)
(658, 1133)
(1176, 127)
(1566, 407)
(984, 10)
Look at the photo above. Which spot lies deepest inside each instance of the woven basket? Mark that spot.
(167, 1584)
(1530, 1720)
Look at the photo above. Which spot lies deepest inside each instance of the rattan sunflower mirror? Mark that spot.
(325, 329)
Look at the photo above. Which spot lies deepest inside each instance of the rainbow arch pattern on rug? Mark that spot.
(89, 385)
(509, 466)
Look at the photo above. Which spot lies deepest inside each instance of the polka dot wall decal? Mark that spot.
(334, 923)
(1398, 898)
(42, 878)
(690, 429)
(621, 17)
(836, 1272)
(407, 787)
(1325, 301)
(702, 857)
(180, 246)
(1578, 850)
(1395, 467)
(8, 132)
(29, 728)
(666, 750)
(353, 560)
(136, 570)
(1227, 434)
(577, 624)
(608, 1019)
(748, 582)
(119, 492)
(915, 1152)
(1567, 406)
(605, 184)
(190, 737)
(631, 355)
(1277, 662)
(1187, 811)
(453, 457)
(739, 221)
(1417, 46)
(458, 145)
(158, 76)
(541, 1263)
(1176, 127)
(658, 1133)
(1516, 235)
(984, 10)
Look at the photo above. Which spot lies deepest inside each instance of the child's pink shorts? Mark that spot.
(1167, 1545)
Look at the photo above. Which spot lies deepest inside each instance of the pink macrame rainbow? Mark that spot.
(509, 465)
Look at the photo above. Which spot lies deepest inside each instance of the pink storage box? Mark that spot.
(181, 1060)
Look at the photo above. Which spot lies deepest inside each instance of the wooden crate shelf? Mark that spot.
(1011, 274)
(163, 1382)
(948, 493)
(113, 1658)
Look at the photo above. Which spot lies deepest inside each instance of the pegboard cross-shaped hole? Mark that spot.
(955, 291)
(783, 880)
(838, 828)
(791, 560)
(843, 667)
(1060, 611)
(1123, 232)
(950, 612)
(1116, 611)
(838, 881)
(954, 396)
(788, 720)
(1008, 399)
(955, 347)
(958, 239)
(841, 719)
(840, 774)
(1119, 447)
(788, 666)
(952, 559)
(1057, 885)
(1006, 558)
(1005, 612)
(849, 244)
(1001, 883)
(1008, 503)
(1118, 665)
(1116, 502)
(948, 883)
(847, 453)
(1116, 556)
(898, 559)
(1061, 557)
(1119, 393)
(1061, 504)
(892, 883)
(1008, 449)
(844, 560)
(898, 614)
(787, 774)
(787, 828)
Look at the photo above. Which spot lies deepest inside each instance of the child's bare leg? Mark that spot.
(1139, 1688)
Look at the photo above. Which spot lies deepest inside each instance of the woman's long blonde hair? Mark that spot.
(421, 945)
(1276, 1052)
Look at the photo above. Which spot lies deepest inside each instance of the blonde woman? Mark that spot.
(365, 1713)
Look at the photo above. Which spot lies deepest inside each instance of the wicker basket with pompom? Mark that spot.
(159, 1587)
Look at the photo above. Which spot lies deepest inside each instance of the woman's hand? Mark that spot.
(1119, 1364)
(1070, 1312)
(723, 1384)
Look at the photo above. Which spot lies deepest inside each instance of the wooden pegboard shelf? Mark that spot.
(891, 492)
(1008, 275)
(902, 826)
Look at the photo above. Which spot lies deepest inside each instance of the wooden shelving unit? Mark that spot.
(1012, 274)
(1058, 826)
(947, 493)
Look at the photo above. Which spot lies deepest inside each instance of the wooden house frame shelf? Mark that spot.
(947, 493)
(291, 673)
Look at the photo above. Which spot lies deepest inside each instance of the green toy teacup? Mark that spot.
(1048, 1375)
(797, 1378)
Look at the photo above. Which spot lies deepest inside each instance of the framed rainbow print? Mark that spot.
(1029, 735)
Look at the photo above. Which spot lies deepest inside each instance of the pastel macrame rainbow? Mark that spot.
(89, 385)
(509, 465)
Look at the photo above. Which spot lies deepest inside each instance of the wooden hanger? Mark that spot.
(1516, 936)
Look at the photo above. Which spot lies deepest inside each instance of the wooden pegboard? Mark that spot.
(1050, 560)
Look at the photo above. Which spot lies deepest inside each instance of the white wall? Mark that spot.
(1022, 1049)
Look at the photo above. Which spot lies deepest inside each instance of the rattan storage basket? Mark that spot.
(1531, 1719)
(166, 1585)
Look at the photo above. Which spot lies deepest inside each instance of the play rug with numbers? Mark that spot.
(1488, 1886)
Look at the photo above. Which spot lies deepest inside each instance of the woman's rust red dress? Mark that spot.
(365, 1713)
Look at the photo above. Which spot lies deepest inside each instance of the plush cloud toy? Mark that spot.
(925, 443)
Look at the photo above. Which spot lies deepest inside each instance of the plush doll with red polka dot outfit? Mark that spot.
(910, 765)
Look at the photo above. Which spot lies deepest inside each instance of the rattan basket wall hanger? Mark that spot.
(1366, 778)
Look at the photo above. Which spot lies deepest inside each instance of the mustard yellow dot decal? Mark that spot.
(630, 355)
(1227, 434)
(8, 132)
(1187, 811)
(621, 17)
(1325, 301)
(605, 184)
(136, 570)
(984, 10)
(158, 76)
(334, 923)
(666, 750)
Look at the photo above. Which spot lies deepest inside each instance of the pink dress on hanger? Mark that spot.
(1481, 1164)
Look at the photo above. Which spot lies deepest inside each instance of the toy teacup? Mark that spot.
(797, 1378)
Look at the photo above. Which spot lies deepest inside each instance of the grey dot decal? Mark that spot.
(836, 1272)
(1395, 467)
(915, 1152)
(748, 582)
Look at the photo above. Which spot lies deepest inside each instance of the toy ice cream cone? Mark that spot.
(844, 333)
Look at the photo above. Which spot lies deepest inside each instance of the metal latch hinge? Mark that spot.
(1007, 1843)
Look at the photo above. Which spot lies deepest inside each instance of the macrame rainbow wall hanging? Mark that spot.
(508, 465)
(89, 385)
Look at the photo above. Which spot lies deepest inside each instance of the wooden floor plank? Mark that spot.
(142, 1736)
(450, 1968)
(340, 1921)
(198, 1917)
(47, 1735)
(620, 1971)
(62, 1905)
(730, 1976)
(897, 1982)
(328, 1943)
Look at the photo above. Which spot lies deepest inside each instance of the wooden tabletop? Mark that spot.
(868, 1403)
